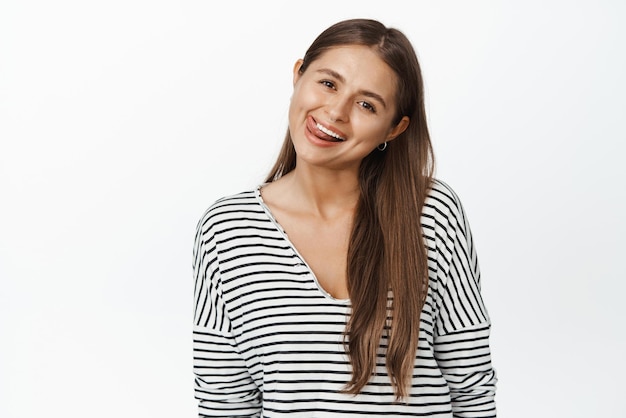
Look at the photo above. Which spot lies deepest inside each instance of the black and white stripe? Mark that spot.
(268, 341)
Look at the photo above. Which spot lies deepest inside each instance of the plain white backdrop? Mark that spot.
(121, 121)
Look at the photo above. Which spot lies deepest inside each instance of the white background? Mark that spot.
(121, 121)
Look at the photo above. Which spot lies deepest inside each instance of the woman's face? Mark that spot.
(343, 107)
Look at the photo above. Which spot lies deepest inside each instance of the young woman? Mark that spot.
(347, 285)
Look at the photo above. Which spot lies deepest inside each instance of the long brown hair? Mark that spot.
(386, 252)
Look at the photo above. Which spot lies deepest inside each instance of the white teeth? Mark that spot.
(329, 132)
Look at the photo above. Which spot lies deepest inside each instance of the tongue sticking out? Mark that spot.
(323, 132)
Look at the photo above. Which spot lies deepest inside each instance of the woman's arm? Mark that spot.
(462, 328)
(464, 359)
(223, 385)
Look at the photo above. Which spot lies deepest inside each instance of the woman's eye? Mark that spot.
(328, 84)
(368, 106)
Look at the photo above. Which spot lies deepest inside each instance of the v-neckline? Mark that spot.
(279, 228)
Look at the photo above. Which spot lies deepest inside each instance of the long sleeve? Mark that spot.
(223, 385)
(462, 325)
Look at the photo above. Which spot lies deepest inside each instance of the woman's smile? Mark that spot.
(323, 133)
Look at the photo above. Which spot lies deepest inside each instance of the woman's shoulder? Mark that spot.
(442, 196)
(443, 206)
(247, 197)
(231, 207)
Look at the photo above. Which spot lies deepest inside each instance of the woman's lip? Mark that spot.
(336, 131)
(318, 137)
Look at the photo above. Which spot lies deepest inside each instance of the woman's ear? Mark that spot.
(399, 128)
(296, 71)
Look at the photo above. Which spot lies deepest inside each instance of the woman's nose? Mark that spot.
(338, 108)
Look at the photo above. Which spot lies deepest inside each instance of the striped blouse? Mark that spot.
(268, 340)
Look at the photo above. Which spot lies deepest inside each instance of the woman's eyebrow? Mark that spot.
(341, 79)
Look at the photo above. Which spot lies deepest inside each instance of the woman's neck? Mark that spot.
(321, 192)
